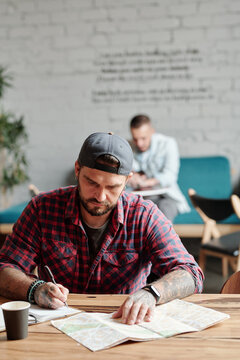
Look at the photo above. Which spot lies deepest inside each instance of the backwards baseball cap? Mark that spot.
(98, 144)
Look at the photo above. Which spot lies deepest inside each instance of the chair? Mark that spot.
(10, 215)
(213, 243)
(33, 190)
(232, 285)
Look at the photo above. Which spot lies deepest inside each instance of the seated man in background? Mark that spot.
(156, 163)
(97, 238)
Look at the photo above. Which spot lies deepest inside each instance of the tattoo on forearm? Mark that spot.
(43, 297)
(176, 284)
(14, 284)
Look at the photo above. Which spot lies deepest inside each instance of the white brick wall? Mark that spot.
(52, 47)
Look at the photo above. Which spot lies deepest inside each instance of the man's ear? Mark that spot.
(77, 169)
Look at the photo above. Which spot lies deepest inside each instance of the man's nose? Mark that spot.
(139, 143)
(100, 195)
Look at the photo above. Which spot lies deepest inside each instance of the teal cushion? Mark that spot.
(194, 218)
(188, 218)
(210, 176)
(11, 214)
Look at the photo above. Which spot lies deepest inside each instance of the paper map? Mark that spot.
(98, 331)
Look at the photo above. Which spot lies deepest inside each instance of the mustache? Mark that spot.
(96, 201)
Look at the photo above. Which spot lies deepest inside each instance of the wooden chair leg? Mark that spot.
(202, 260)
(225, 267)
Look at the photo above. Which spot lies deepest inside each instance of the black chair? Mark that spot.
(213, 242)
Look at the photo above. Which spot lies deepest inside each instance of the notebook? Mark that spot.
(38, 314)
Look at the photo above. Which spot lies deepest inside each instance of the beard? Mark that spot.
(106, 206)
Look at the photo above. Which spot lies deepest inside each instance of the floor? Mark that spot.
(213, 277)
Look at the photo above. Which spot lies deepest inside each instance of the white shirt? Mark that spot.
(161, 161)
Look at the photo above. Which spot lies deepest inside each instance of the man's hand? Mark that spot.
(51, 296)
(141, 181)
(136, 180)
(136, 308)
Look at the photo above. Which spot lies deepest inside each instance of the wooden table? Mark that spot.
(221, 341)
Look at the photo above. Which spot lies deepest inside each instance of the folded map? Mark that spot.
(98, 331)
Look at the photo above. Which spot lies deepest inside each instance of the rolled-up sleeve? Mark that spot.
(168, 252)
(168, 174)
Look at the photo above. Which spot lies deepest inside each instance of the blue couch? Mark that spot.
(210, 176)
(9, 216)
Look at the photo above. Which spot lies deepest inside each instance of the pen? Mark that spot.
(53, 280)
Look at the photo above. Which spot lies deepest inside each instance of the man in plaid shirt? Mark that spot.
(97, 238)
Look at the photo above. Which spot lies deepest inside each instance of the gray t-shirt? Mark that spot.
(95, 238)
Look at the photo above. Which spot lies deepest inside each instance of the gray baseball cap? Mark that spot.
(100, 143)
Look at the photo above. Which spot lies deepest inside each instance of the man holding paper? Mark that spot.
(97, 238)
(156, 164)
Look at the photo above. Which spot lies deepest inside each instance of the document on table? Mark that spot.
(98, 331)
(40, 314)
(157, 190)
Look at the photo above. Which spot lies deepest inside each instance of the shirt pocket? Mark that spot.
(61, 257)
(119, 259)
(59, 249)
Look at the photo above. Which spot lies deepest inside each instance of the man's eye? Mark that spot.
(91, 182)
(112, 188)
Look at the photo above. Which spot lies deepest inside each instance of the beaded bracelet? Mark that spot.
(31, 290)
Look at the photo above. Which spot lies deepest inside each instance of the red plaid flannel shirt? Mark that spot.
(139, 239)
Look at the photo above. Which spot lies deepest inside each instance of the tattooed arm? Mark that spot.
(14, 285)
(50, 295)
(175, 285)
(140, 305)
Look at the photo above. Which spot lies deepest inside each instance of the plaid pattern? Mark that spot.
(139, 239)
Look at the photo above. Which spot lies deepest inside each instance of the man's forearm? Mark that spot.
(141, 304)
(175, 285)
(14, 284)
(150, 182)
